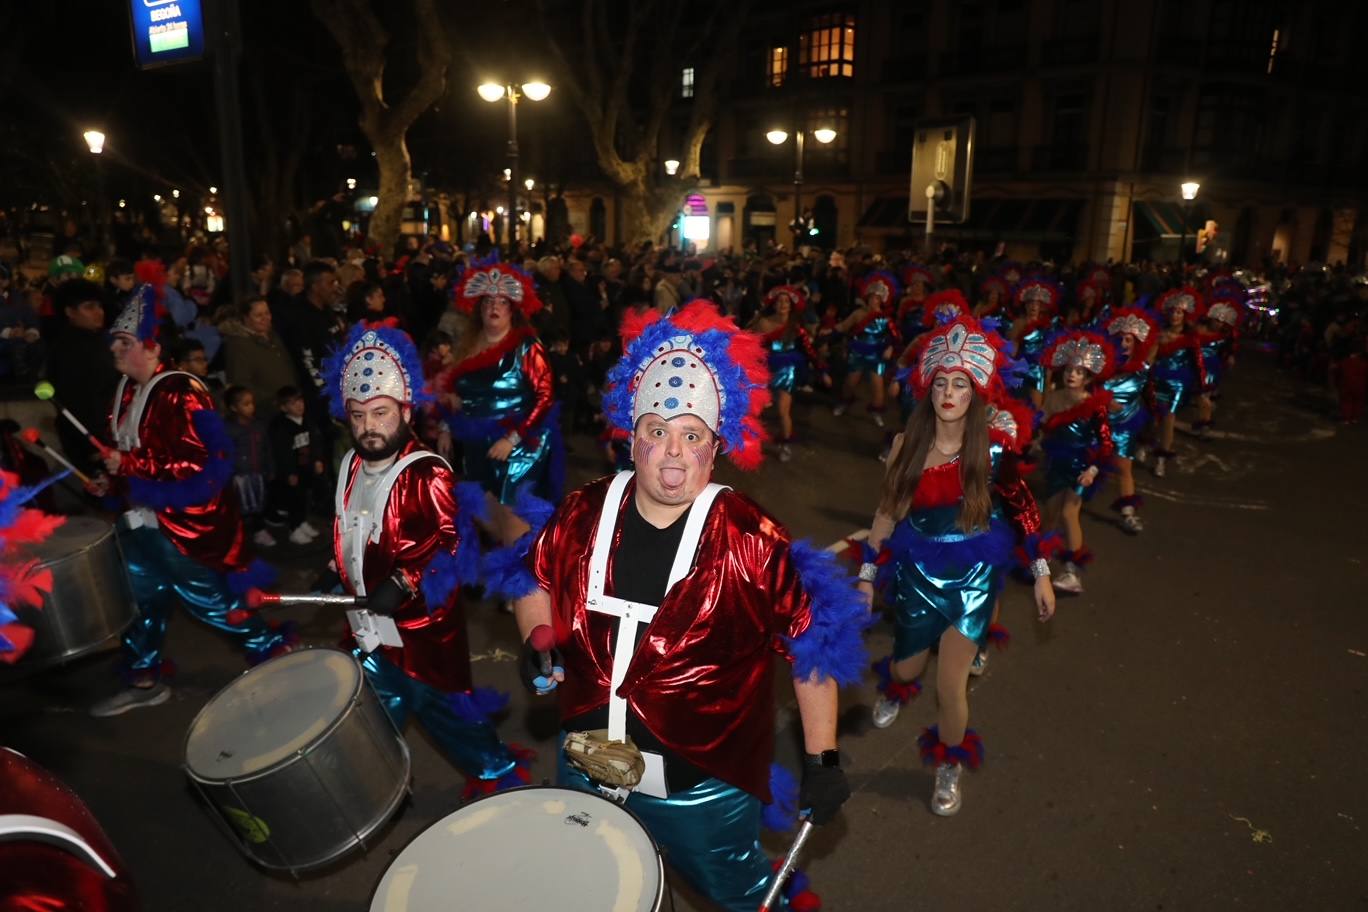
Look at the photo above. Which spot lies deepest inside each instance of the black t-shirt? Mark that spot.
(641, 574)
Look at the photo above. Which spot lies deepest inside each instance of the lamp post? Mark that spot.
(1189, 190)
(825, 136)
(492, 92)
(95, 140)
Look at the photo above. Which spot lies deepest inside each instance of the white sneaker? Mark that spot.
(1160, 466)
(885, 712)
(1142, 454)
(1131, 523)
(308, 527)
(300, 537)
(1068, 581)
(266, 539)
(840, 409)
(980, 663)
(785, 454)
(878, 419)
(946, 799)
(131, 698)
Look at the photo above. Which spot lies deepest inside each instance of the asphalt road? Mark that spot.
(1188, 734)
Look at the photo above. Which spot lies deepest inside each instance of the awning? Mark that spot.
(989, 219)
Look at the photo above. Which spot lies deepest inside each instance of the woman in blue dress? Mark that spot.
(1216, 338)
(1134, 333)
(1177, 365)
(789, 352)
(1037, 302)
(873, 339)
(952, 512)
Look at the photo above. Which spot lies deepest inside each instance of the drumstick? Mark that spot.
(48, 393)
(30, 436)
(256, 600)
(790, 862)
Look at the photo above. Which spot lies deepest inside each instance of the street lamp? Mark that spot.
(825, 136)
(1189, 190)
(95, 140)
(671, 166)
(492, 92)
(529, 184)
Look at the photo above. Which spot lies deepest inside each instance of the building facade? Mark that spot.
(1089, 115)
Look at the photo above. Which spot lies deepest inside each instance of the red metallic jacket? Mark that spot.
(420, 519)
(172, 449)
(701, 679)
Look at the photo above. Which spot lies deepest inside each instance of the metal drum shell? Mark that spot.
(91, 602)
(323, 801)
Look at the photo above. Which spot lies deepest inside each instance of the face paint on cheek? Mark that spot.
(643, 450)
(701, 454)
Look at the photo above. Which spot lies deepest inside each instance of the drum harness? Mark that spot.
(365, 526)
(646, 770)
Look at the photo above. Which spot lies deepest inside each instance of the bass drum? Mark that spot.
(91, 602)
(299, 759)
(537, 847)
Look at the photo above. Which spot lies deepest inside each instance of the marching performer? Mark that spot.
(1177, 365)
(669, 597)
(1037, 302)
(1076, 438)
(500, 392)
(182, 536)
(952, 512)
(994, 293)
(917, 284)
(873, 340)
(790, 348)
(1216, 338)
(404, 538)
(1134, 333)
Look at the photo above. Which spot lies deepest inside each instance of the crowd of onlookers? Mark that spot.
(261, 351)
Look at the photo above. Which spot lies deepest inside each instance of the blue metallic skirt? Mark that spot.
(867, 358)
(784, 367)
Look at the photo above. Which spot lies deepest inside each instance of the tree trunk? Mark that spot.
(392, 158)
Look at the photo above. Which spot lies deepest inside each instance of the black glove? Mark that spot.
(823, 791)
(530, 668)
(387, 598)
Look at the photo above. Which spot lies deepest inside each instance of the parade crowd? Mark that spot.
(416, 412)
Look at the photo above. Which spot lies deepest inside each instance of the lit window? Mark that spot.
(686, 82)
(1273, 52)
(778, 65)
(827, 48)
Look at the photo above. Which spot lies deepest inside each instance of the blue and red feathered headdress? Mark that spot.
(693, 362)
(944, 306)
(1135, 321)
(141, 317)
(796, 296)
(498, 281)
(916, 272)
(377, 359)
(967, 346)
(1041, 290)
(1187, 299)
(1080, 348)
(880, 284)
(22, 582)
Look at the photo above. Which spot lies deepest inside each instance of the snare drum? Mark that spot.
(91, 602)
(536, 847)
(299, 758)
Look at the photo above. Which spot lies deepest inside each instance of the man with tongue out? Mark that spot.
(669, 597)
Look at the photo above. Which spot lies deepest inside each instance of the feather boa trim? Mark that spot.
(256, 575)
(833, 644)
(450, 570)
(1080, 558)
(520, 774)
(1039, 546)
(898, 691)
(487, 358)
(947, 556)
(505, 569)
(935, 752)
(197, 489)
(477, 705)
(781, 814)
(1096, 402)
(798, 890)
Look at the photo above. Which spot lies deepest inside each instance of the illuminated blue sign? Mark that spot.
(166, 31)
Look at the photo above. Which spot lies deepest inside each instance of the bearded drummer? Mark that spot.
(669, 596)
(182, 534)
(404, 538)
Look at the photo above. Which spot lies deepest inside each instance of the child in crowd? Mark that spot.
(297, 451)
(188, 355)
(251, 461)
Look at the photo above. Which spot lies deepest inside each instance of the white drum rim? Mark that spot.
(660, 859)
(349, 706)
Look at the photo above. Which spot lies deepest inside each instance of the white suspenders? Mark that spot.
(632, 613)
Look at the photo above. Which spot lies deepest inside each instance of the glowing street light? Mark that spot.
(175, 194)
(351, 183)
(671, 166)
(529, 184)
(537, 91)
(156, 197)
(778, 137)
(1189, 189)
(213, 191)
(491, 92)
(95, 140)
(824, 135)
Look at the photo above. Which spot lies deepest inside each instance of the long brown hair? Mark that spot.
(905, 470)
(475, 327)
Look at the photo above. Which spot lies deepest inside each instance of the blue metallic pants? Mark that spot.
(710, 834)
(473, 747)
(159, 574)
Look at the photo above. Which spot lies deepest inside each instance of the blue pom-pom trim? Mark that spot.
(200, 488)
(447, 571)
(256, 575)
(833, 645)
(781, 814)
(505, 569)
(951, 556)
(477, 705)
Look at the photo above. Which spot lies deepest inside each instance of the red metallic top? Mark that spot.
(701, 679)
(419, 519)
(171, 449)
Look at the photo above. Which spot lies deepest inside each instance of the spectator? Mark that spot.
(587, 308)
(251, 461)
(263, 271)
(119, 284)
(297, 454)
(285, 299)
(556, 307)
(314, 331)
(254, 355)
(366, 301)
(21, 348)
(188, 355)
(81, 367)
(667, 291)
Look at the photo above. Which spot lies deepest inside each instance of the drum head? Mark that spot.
(270, 712)
(529, 848)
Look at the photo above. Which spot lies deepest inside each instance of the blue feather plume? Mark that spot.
(505, 569)
(833, 645)
(398, 340)
(781, 814)
(197, 489)
(256, 575)
(477, 705)
(447, 571)
(948, 557)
